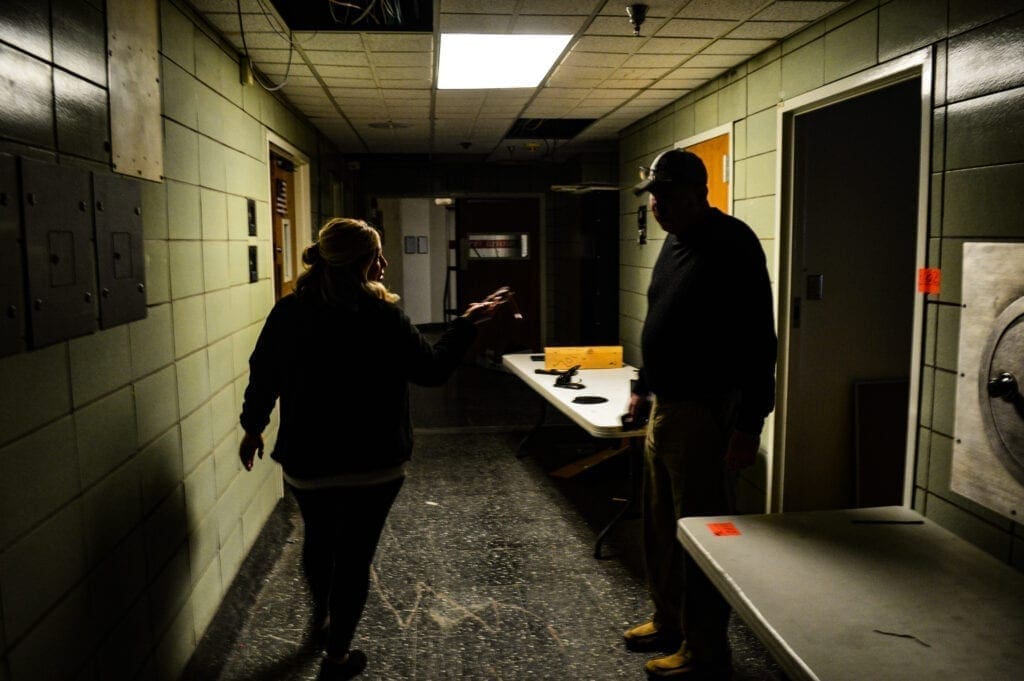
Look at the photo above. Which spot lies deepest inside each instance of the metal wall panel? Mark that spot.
(119, 253)
(134, 79)
(12, 294)
(55, 204)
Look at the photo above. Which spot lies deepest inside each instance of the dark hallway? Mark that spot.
(485, 570)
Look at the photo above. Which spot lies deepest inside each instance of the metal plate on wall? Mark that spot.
(134, 78)
(55, 204)
(12, 294)
(117, 202)
(988, 451)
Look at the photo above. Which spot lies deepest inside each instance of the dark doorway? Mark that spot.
(499, 245)
(852, 288)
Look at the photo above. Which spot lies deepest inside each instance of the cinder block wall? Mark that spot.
(124, 513)
(977, 171)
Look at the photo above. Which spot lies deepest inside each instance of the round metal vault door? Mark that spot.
(1001, 382)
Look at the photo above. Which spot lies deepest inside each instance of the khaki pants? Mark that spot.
(685, 475)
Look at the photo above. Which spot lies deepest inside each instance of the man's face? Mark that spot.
(675, 206)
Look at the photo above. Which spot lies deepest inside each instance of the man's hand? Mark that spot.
(742, 451)
(251, 444)
(638, 411)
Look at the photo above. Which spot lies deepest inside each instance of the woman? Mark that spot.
(340, 354)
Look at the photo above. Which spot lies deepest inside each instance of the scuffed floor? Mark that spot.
(485, 569)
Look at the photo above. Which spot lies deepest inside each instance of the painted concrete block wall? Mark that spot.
(977, 170)
(124, 513)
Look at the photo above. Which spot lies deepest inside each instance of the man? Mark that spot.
(709, 349)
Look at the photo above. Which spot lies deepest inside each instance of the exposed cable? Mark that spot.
(291, 48)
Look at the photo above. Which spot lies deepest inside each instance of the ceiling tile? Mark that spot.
(593, 110)
(302, 80)
(695, 28)
(337, 58)
(632, 75)
(479, 6)
(476, 23)
(720, 9)
(345, 42)
(678, 83)
(559, 6)
(301, 90)
(691, 72)
(414, 73)
(582, 72)
(730, 46)
(611, 60)
(589, 43)
(405, 83)
(563, 92)
(803, 10)
(767, 29)
(345, 83)
(566, 81)
(652, 61)
(328, 71)
(406, 95)
(617, 94)
(673, 46)
(368, 95)
(424, 59)
(278, 70)
(547, 25)
(715, 60)
(399, 42)
(397, 112)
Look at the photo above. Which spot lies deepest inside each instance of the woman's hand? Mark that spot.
(482, 311)
(251, 444)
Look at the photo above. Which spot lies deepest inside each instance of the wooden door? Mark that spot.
(492, 234)
(715, 154)
(282, 209)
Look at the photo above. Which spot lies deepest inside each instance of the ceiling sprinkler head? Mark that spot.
(637, 13)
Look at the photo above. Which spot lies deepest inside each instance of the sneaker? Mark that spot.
(647, 637)
(351, 667)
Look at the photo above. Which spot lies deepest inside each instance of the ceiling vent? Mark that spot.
(357, 15)
(547, 128)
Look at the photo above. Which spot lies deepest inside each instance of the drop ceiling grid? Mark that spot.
(608, 74)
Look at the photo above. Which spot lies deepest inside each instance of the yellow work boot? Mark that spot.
(678, 664)
(647, 636)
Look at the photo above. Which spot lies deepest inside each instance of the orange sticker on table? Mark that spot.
(723, 529)
(929, 280)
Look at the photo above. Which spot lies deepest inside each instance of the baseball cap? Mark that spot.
(672, 166)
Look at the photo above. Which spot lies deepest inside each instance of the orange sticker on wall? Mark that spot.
(929, 279)
(723, 529)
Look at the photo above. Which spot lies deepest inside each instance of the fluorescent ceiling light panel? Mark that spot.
(479, 61)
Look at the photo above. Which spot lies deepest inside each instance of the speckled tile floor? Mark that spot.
(485, 569)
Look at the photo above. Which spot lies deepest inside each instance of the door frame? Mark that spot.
(302, 229)
(915, 64)
(724, 129)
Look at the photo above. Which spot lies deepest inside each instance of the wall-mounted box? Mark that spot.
(117, 205)
(12, 294)
(57, 220)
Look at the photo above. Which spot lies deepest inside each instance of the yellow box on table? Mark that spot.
(587, 357)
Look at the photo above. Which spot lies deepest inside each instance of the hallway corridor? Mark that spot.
(485, 569)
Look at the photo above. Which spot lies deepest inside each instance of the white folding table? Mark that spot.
(874, 593)
(602, 420)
